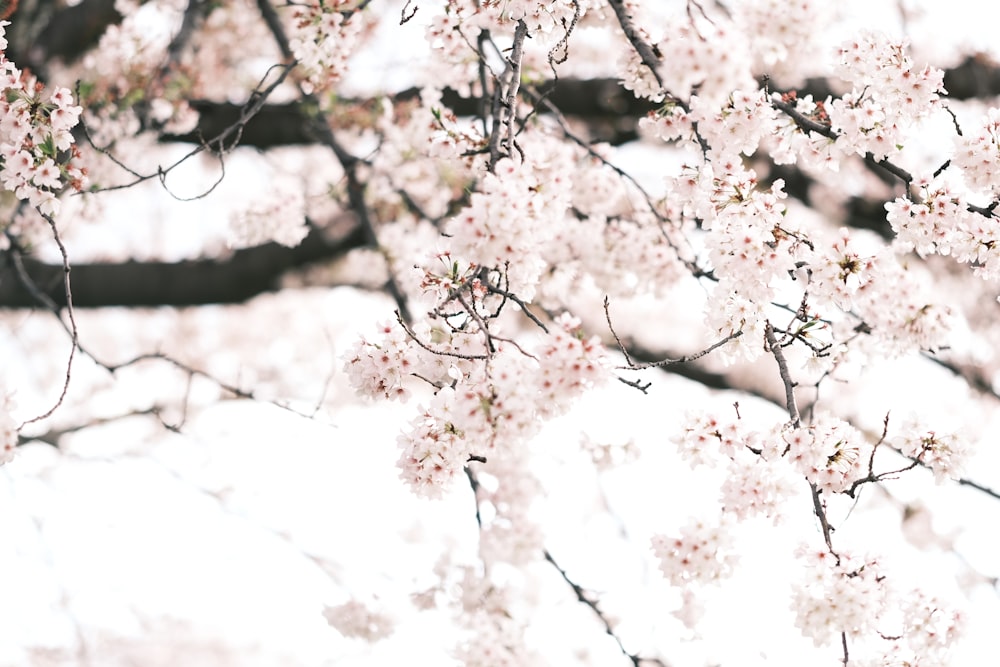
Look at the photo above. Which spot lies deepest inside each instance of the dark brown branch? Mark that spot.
(646, 52)
(979, 487)
(234, 279)
(54, 435)
(319, 127)
(975, 77)
(820, 512)
(609, 110)
(583, 597)
(632, 365)
(786, 377)
(699, 374)
(67, 291)
(65, 34)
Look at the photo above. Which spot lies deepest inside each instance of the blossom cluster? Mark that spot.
(814, 151)
(839, 594)
(737, 126)
(936, 218)
(756, 250)
(782, 36)
(322, 38)
(508, 222)
(750, 247)
(496, 408)
(852, 287)
(482, 403)
(569, 364)
(450, 35)
(839, 271)
(36, 150)
(757, 483)
(890, 95)
(541, 16)
(900, 316)
(705, 437)
(132, 57)
(756, 487)
(933, 223)
(723, 131)
(944, 453)
(702, 553)
(441, 439)
(278, 215)
(977, 155)
(929, 629)
(830, 453)
(354, 619)
(385, 368)
(852, 595)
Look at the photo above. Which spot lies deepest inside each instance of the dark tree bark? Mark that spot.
(234, 279)
(43, 30)
(609, 111)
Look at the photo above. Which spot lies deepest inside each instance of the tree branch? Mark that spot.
(786, 377)
(582, 596)
(241, 276)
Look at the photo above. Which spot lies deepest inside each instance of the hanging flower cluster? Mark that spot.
(37, 153)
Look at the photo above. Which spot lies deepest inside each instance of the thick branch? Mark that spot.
(786, 377)
(66, 33)
(234, 279)
(610, 111)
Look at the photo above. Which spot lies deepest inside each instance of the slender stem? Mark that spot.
(320, 128)
(583, 597)
(74, 333)
(820, 512)
(786, 377)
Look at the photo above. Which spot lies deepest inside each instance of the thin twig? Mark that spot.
(444, 353)
(582, 596)
(979, 487)
(74, 333)
(820, 512)
(320, 128)
(632, 365)
(560, 119)
(516, 299)
(52, 436)
(253, 106)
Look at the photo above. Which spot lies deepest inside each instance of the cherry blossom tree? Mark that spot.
(741, 256)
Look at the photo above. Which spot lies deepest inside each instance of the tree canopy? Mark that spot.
(719, 274)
